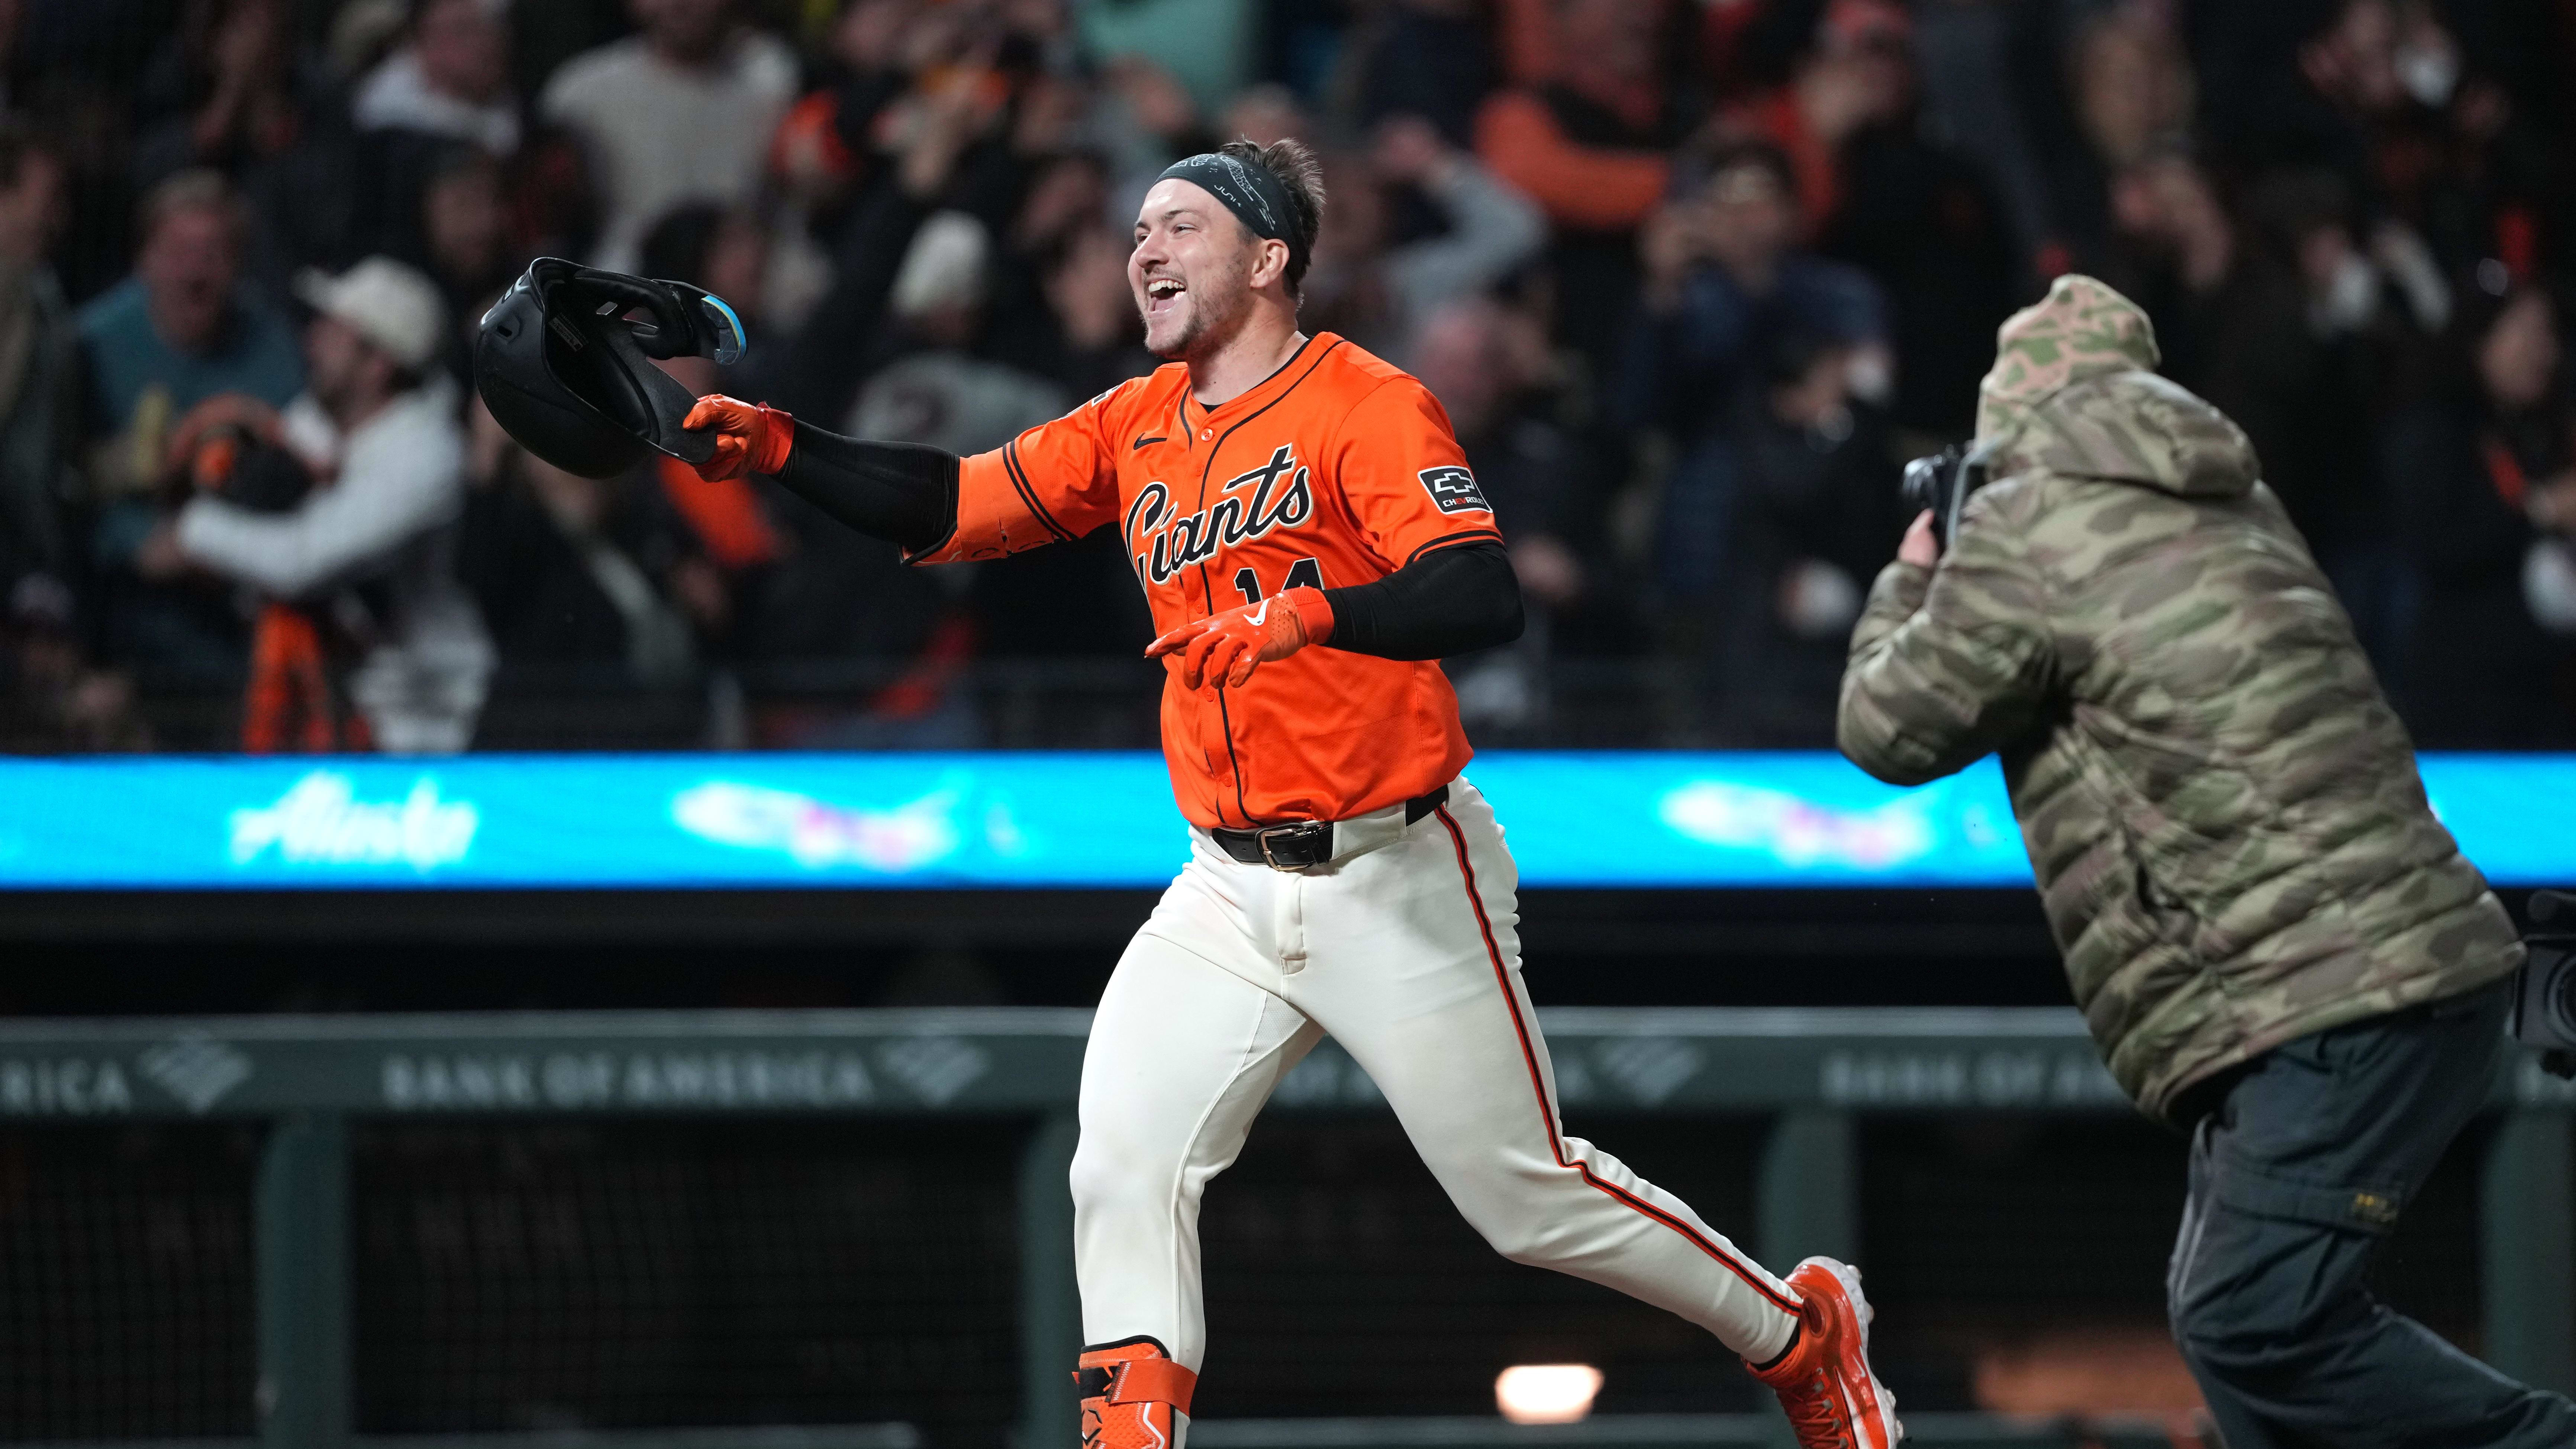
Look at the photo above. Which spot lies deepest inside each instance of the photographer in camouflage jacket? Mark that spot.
(2276, 945)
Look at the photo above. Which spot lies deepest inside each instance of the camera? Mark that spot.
(1941, 482)
(2544, 992)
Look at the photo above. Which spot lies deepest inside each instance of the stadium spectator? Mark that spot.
(1591, 144)
(1853, 74)
(234, 89)
(1485, 228)
(1206, 46)
(1103, 343)
(1143, 119)
(1967, 60)
(2097, 91)
(2175, 251)
(1878, 194)
(377, 426)
(2489, 507)
(450, 79)
(1725, 284)
(824, 144)
(2328, 332)
(1265, 115)
(845, 338)
(681, 112)
(1060, 209)
(51, 700)
(360, 35)
(1474, 358)
(713, 546)
(576, 571)
(1472, 231)
(2133, 84)
(223, 89)
(2385, 96)
(1098, 342)
(2345, 94)
(727, 251)
(1427, 58)
(837, 595)
(182, 329)
(1483, 362)
(464, 244)
(940, 393)
(1947, 154)
(1815, 515)
(40, 382)
(1590, 141)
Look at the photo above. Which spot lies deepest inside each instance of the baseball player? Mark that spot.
(1311, 541)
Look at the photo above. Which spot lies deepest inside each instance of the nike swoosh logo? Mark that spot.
(1140, 442)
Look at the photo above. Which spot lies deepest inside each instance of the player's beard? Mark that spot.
(1217, 307)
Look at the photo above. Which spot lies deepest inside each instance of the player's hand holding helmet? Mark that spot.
(749, 437)
(1225, 648)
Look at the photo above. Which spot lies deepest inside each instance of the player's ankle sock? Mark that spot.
(1786, 1349)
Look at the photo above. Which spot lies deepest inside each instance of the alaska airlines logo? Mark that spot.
(1164, 544)
(321, 821)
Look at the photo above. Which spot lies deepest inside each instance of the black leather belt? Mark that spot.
(1304, 843)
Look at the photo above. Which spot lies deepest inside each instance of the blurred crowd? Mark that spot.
(1692, 278)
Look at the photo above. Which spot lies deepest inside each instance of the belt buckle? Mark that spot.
(1262, 837)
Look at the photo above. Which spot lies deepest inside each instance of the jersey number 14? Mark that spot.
(1305, 573)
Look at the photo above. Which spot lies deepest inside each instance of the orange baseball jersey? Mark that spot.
(1338, 469)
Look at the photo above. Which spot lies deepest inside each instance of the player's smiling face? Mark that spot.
(1191, 270)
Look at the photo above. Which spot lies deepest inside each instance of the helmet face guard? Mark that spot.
(571, 378)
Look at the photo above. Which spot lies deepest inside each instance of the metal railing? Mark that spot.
(1815, 1072)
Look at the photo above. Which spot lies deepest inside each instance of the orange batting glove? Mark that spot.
(1225, 648)
(750, 437)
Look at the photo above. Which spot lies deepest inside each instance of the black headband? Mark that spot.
(1257, 198)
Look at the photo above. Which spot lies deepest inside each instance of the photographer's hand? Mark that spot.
(1920, 547)
(1947, 664)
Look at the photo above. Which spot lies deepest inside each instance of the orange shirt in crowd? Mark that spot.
(1592, 188)
(1774, 117)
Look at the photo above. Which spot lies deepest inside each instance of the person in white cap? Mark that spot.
(939, 393)
(378, 425)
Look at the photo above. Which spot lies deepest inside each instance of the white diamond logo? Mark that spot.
(1651, 1068)
(937, 1067)
(197, 1070)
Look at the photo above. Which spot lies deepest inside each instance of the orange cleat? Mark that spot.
(1133, 1396)
(1832, 1398)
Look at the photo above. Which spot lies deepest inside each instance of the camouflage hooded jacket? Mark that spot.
(2222, 812)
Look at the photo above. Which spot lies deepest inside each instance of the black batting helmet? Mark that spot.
(571, 378)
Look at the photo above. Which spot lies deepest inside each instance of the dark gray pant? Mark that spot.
(2301, 1167)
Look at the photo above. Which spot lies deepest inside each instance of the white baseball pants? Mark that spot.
(1406, 949)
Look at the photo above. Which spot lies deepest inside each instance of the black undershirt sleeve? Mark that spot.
(1455, 601)
(901, 492)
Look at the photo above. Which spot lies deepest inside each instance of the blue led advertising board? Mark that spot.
(930, 821)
